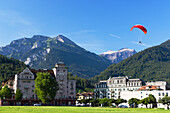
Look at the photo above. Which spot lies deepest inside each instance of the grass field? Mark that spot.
(58, 109)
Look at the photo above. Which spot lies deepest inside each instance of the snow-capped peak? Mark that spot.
(120, 50)
(117, 56)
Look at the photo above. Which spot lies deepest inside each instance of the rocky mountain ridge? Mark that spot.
(118, 56)
(42, 52)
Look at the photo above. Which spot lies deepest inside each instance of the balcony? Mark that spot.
(26, 87)
(61, 79)
(72, 89)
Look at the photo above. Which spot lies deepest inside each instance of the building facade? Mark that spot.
(112, 87)
(84, 95)
(25, 81)
(162, 84)
(158, 94)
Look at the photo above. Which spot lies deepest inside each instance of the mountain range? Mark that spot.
(150, 64)
(118, 56)
(43, 52)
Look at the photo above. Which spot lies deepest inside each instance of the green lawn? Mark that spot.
(58, 109)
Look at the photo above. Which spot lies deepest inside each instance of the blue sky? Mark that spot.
(96, 25)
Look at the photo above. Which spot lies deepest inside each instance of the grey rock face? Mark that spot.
(118, 56)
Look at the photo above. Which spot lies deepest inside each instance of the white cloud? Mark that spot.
(112, 35)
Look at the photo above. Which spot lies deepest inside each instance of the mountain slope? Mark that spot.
(118, 56)
(9, 67)
(43, 52)
(150, 64)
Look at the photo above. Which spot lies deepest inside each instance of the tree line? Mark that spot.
(133, 102)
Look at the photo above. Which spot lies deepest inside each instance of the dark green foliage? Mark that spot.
(111, 101)
(84, 64)
(18, 95)
(85, 101)
(6, 92)
(165, 100)
(9, 67)
(134, 102)
(145, 101)
(82, 85)
(104, 101)
(150, 64)
(119, 101)
(45, 87)
(94, 102)
(152, 100)
(149, 100)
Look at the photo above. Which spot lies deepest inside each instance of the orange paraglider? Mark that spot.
(140, 27)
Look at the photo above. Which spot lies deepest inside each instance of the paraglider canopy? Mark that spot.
(140, 27)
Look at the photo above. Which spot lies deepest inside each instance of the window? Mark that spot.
(159, 94)
(26, 81)
(167, 93)
(162, 94)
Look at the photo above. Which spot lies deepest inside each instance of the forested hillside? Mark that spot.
(9, 67)
(150, 64)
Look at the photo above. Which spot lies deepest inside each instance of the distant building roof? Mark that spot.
(149, 87)
(86, 94)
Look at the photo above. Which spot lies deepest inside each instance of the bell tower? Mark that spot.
(60, 72)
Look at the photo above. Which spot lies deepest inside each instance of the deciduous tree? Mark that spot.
(18, 95)
(46, 87)
(165, 100)
(6, 92)
(119, 101)
(104, 101)
(152, 100)
(133, 101)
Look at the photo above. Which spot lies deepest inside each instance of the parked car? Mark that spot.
(37, 104)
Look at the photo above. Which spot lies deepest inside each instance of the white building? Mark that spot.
(143, 94)
(25, 81)
(112, 87)
(162, 84)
